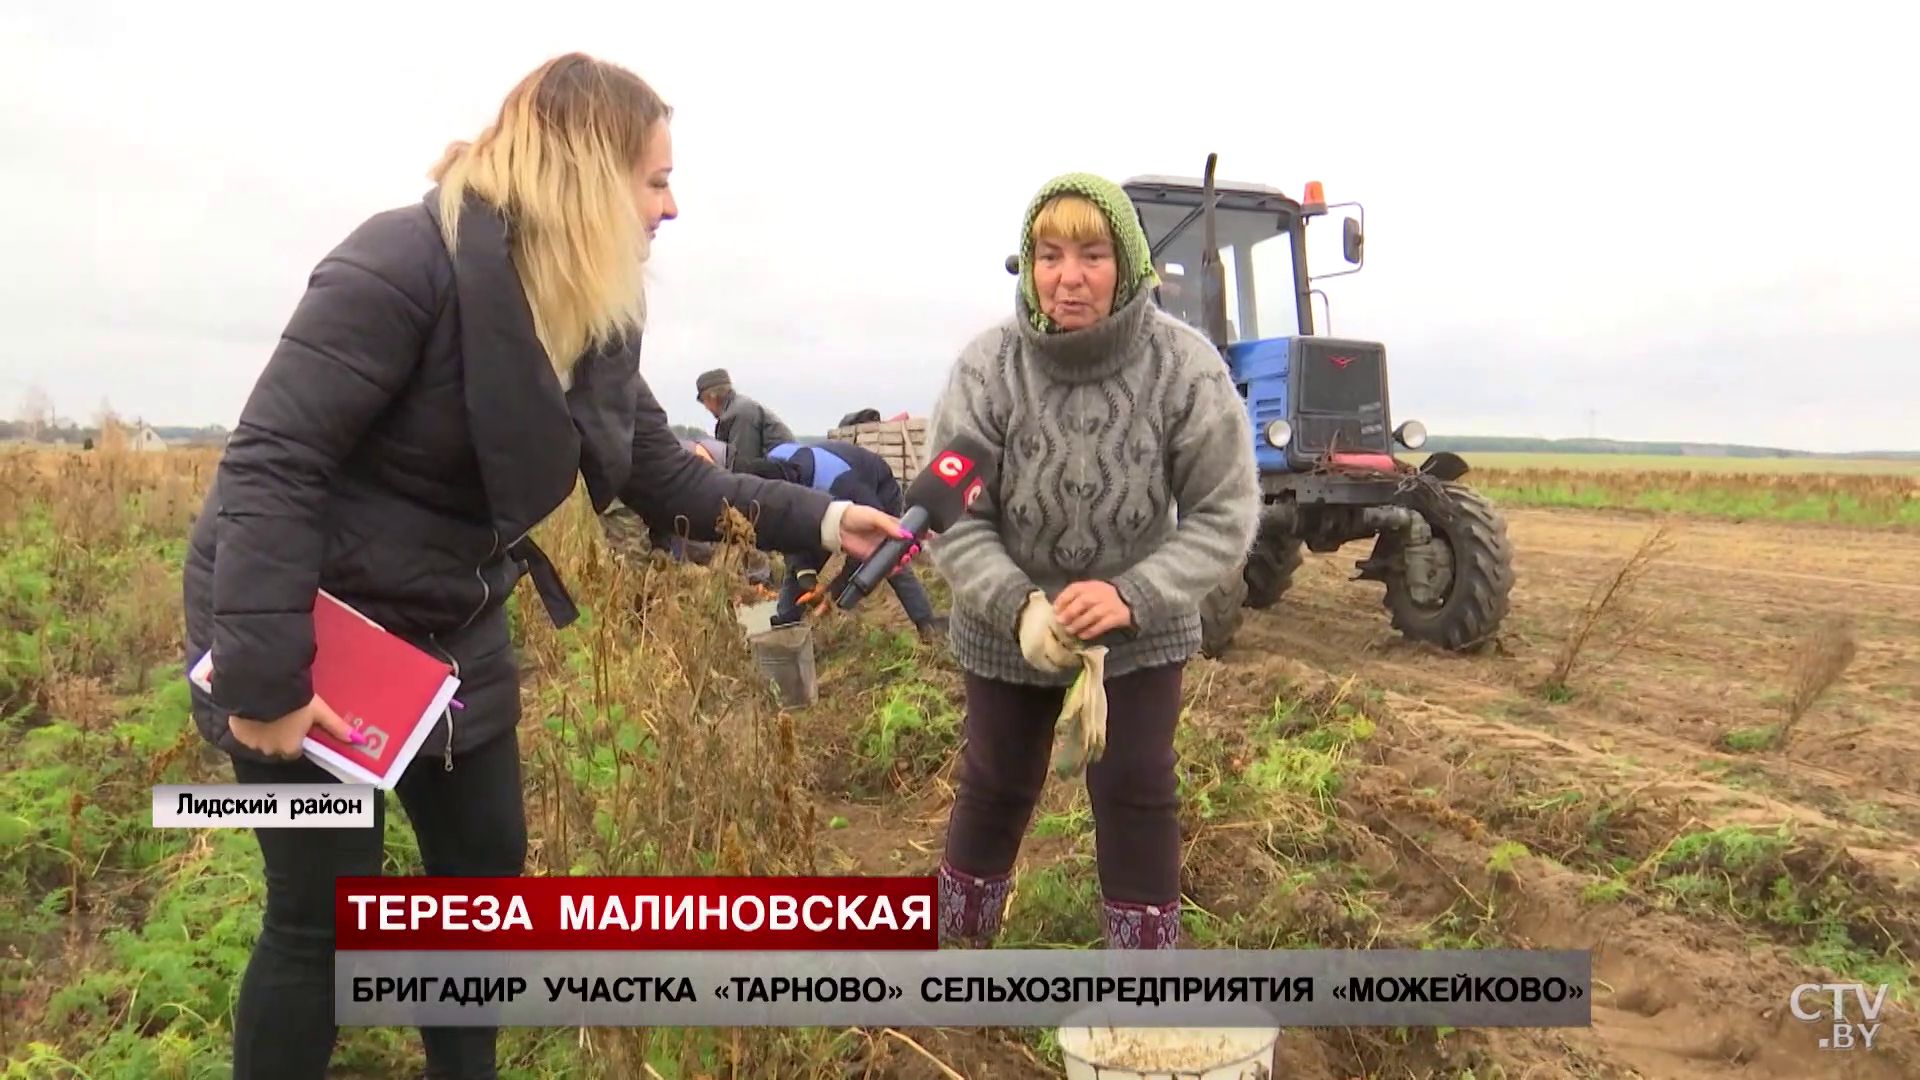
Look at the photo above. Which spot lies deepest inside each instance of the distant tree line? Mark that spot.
(35, 420)
(67, 430)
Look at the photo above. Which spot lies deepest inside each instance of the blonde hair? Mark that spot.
(558, 162)
(1072, 218)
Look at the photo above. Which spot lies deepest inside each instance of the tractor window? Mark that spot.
(1272, 266)
(1180, 294)
(1256, 261)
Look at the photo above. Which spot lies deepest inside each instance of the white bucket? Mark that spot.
(1227, 1053)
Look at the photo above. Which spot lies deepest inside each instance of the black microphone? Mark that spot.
(937, 499)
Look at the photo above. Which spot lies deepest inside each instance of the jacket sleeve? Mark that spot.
(971, 555)
(1216, 488)
(865, 482)
(893, 499)
(352, 343)
(668, 484)
(749, 432)
(776, 431)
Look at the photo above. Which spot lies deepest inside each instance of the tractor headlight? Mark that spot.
(1412, 434)
(1279, 433)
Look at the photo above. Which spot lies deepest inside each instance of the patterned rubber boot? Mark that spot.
(971, 908)
(1142, 926)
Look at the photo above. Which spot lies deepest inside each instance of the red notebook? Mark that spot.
(390, 690)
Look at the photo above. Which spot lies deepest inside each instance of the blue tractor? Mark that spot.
(1324, 436)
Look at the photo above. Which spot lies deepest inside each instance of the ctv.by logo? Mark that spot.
(1845, 1032)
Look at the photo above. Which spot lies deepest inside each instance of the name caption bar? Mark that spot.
(263, 806)
(967, 988)
(575, 914)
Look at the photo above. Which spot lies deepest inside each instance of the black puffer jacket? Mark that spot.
(406, 435)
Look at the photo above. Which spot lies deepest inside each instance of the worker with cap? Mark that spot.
(748, 428)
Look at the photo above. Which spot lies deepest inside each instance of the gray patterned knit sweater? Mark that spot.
(1126, 457)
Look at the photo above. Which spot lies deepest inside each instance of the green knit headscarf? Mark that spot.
(1131, 251)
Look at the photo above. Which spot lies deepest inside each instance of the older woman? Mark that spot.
(455, 368)
(1127, 490)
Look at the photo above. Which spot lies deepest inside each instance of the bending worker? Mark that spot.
(851, 472)
(630, 534)
(748, 428)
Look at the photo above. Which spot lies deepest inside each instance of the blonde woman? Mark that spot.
(454, 368)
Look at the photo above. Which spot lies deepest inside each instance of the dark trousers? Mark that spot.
(906, 587)
(470, 822)
(1009, 743)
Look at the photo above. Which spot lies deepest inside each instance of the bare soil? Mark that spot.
(1603, 784)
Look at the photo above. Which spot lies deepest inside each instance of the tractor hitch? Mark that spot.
(1330, 527)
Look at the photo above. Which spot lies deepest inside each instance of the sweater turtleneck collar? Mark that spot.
(1092, 353)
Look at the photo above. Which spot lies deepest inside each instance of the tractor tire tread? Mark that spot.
(1270, 568)
(1483, 578)
(1221, 614)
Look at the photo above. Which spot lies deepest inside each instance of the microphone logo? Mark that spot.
(974, 491)
(951, 467)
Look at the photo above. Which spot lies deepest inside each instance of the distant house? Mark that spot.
(147, 440)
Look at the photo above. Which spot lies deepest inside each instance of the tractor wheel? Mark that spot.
(1270, 568)
(1454, 592)
(1221, 614)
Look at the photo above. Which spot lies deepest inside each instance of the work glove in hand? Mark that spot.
(1085, 713)
(1046, 644)
(808, 584)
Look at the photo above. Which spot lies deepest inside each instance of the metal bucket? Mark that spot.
(785, 655)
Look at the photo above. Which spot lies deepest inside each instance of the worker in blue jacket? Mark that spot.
(844, 471)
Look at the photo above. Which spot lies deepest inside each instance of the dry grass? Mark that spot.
(652, 745)
(1838, 497)
(1822, 658)
(659, 750)
(1316, 812)
(1604, 607)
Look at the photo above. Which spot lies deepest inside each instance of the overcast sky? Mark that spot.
(1690, 220)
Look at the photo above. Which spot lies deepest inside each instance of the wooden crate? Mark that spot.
(903, 443)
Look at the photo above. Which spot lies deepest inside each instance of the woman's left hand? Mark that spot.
(863, 529)
(1091, 608)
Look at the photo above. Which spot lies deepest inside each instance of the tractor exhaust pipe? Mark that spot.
(1213, 274)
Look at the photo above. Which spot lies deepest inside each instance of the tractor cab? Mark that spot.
(1311, 399)
(1250, 219)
